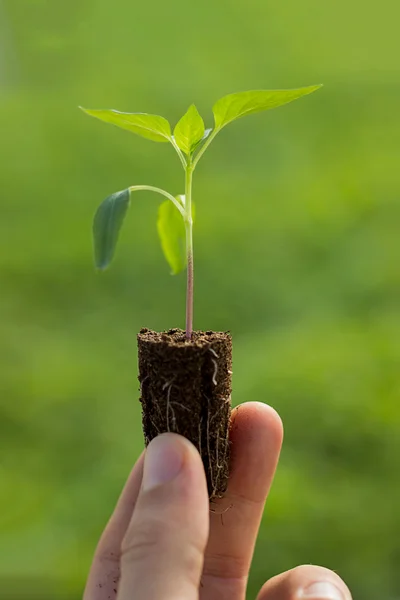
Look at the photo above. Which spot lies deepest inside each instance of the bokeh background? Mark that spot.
(297, 253)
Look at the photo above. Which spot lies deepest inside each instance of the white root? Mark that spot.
(170, 409)
(175, 403)
(155, 426)
(226, 446)
(200, 424)
(142, 382)
(219, 467)
(168, 383)
(215, 371)
(213, 483)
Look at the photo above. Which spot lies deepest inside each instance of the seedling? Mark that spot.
(185, 376)
(190, 139)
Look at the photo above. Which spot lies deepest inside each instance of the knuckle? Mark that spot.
(146, 536)
(226, 566)
(161, 542)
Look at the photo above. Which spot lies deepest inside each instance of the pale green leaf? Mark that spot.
(107, 224)
(171, 231)
(152, 127)
(234, 106)
(189, 131)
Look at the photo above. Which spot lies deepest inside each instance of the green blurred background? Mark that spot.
(297, 253)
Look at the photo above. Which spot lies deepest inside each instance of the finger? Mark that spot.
(256, 439)
(163, 549)
(305, 583)
(102, 583)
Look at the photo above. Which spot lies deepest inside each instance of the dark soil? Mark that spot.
(186, 388)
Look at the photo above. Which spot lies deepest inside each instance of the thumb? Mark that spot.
(163, 549)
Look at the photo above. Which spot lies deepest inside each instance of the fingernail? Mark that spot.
(321, 590)
(163, 461)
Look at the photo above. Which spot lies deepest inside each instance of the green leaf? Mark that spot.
(152, 127)
(234, 106)
(190, 130)
(107, 224)
(171, 231)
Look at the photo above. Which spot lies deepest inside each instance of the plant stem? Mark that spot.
(179, 152)
(151, 188)
(204, 147)
(189, 248)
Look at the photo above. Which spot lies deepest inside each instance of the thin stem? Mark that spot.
(189, 249)
(204, 147)
(150, 188)
(179, 152)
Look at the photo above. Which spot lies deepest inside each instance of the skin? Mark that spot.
(162, 541)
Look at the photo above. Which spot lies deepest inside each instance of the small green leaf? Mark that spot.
(152, 127)
(107, 224)
(190, 130)
(171, 231)
(234, 106)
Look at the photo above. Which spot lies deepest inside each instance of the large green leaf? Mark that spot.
(234, 106)
(189, 130)
(171, 231)
(152, 127)
(107, 224)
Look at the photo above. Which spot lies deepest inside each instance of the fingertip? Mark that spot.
(172, 458)
(258, 416)
(256, 439)
(164, 460)
(166, 456)
(179, 443)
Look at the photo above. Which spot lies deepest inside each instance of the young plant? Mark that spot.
(190, 139)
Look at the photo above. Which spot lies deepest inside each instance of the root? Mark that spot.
(155, 426)
(220, 454)
(216, 453)
(168, 383)
(169, 407)
(200, 444)
(215, 371)
(182, 406)
(213, 483)
(155, 403)
(221, 512)
(141, 384)
(213, 352)
(226, 445)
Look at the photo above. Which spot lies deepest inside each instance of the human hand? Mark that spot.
(162, 542)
